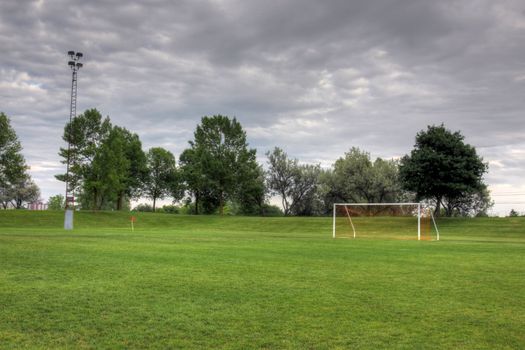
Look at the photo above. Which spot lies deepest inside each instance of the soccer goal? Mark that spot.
(384, 220)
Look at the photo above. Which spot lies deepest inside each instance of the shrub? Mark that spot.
(143, 208)
(169, 209)
(271, 210)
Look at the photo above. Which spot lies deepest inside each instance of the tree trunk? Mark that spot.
(437, 212)
(100, 200)
(95, 198)
(196, 203)
(154, 202)
(221, 204)
(449, 209)
(284, 203)
(120, 201)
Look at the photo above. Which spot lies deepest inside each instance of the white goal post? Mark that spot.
(407, 209)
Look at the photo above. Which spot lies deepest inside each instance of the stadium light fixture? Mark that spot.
(75, 65)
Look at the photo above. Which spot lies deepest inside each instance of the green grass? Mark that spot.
(243, 283)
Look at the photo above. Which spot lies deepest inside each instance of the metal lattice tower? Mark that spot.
(75, 65)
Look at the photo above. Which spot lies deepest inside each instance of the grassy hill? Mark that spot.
(245, 282)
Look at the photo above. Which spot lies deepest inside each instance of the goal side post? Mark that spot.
(419, 221)
(333, 222)
(435, 226)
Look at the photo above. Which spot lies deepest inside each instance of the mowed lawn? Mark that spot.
(243, 283)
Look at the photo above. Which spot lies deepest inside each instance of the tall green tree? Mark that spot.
(13, 168)
(218, 161)
(117, 172)
(442, 167)
(281, 175)
(162, 174)
(105, 179)
(296, 184)
(85, 135)
(193, 176)
(107, 163)
(137, 173)
(250, 194)
(12, 163)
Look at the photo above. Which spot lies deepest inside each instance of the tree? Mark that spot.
(5, 196)
(442, 167)
(355, 179)
(137, 172)
(476, 203)
(24, 191)
(85, 135)
(113, 176)
(104, 177)
(193, 175)
(304, 193)
(251, 192)
(56, 202)
(218, 162)
(13, 169)
(513, 213)
(281, 176)
(162, 173)
(107, 164)
(295, 184)
(12, 163)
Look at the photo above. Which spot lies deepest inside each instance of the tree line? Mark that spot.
(218, 173)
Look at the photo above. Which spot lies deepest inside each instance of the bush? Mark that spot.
(143, 208)
(513, 213)
(169, 209)
(187, 209)
(231, 208)
(271, 210)
(56, 202)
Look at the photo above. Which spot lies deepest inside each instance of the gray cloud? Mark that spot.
(312, 77)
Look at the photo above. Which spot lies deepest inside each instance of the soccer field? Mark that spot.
(244, 283)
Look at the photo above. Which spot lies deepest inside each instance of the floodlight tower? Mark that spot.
(75, 65)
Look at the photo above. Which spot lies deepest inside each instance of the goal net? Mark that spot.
(384, 221)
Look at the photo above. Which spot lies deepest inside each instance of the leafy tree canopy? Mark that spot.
(12, 164)
(107, 164)
(16, 186)
(56, 202)
(85, 135)
(355, 178)
(442, 167)
(163, 178)
(219, 163)
(296, 184)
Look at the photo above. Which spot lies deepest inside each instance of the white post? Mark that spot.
(333, 223)
(435, 225)
(419, 221)
(350, 219)
(68, 219)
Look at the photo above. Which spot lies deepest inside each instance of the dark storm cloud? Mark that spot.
(312, 77)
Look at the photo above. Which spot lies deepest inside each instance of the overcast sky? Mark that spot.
(313, 77)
